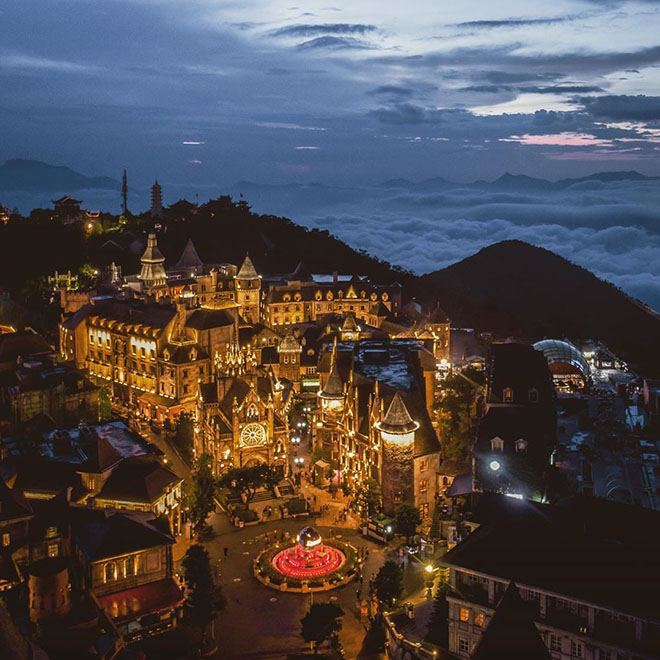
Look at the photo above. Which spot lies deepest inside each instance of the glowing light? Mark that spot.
(193, 142)
(429, 568)
(494, 466)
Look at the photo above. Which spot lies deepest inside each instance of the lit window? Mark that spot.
(110, 572)
(129, 566)
(464, 614)
(479, 619)
(423, 486)
(6, 539)
(53, 550)
(497, 444)
(521, 446)
(508, 394)
(423, 465)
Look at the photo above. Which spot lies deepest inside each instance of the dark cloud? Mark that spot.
(504, 77)
(391, 90)
(327, 28)
(334, 43)
(621, 107)
(486, 89)
(513, 22)
(410, 113)
(562, 89)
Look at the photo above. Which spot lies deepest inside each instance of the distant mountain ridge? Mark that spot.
(20, 174)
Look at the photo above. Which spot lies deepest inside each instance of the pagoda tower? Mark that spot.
(248, 291)
(156, 200)
(153, 272)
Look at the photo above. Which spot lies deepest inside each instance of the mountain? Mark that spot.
(514, 287)
(33, 175)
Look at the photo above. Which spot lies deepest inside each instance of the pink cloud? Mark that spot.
(597, 154)
(568, 139)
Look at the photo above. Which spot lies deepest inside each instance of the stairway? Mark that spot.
(286, 489)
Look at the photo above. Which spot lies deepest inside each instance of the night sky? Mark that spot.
(206, 93)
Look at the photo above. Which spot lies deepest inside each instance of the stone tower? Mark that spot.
(289, 352)
(156, 200)
(248, 292)
(397, 431)
(152, 273)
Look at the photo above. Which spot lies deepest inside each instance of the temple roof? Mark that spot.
(189, 257)
(247, 271)
(152, 254)
(397, 419)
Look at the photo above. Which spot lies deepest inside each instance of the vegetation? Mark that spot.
(388, 583)
(369, 497)
(456, 413)
(183, 435)
(322, 623)
(438, 631)
(406, 519)
(105, 405)
(200, 498)
(205, 599)
(246, 480)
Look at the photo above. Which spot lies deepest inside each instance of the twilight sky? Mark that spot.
(205, 93)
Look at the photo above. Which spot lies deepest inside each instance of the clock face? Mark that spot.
(253, 435)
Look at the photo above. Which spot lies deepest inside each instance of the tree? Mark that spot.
(200, 499)
(205, 599)
(248, 479)
(406, 519)
(183, 434)
(369, 496)
(438, 630)
(388, 583)
(322, 622)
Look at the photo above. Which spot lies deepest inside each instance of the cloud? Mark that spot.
(23, 62)
(619, 107)
(334, 43)
(324, 29)
(513, 22)
(392, 90)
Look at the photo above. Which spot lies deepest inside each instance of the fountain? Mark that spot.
(307, 564)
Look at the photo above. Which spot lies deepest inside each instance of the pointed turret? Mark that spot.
(397, 420)
(247, 270)
(334, 387)
(189, 257)
(153, 269)
(156, 200)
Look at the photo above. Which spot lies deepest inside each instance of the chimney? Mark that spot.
(214, 278)
(69, 489)
(335, 277)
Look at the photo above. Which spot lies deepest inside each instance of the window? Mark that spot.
(555, 643)
(129, 566)
(464, 614)
(508, 394)
(6, 539)
(533, 396)
(604, 654)
(53, 550)
(479, 619)
(577, 650)
(463, 645)
(110, 572)
(497, 444)
(423, 485)
(423, 465)
(521, 446)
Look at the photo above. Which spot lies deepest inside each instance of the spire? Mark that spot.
(124, 192)
(247, 271)
(153, 271)
(397, 419)
(189, 257)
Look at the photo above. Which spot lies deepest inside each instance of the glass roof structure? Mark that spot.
(559, 352)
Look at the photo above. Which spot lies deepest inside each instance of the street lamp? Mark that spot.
(494, 466)
(428, 568)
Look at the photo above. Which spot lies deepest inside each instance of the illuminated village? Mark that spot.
(210, 456)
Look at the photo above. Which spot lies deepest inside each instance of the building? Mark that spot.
(373, 419)
(585, 570)
(248, 292)
(153, 355)
(156, 200)
(67, 209)
(301, 299)
(518, 433)
(15, 516)
(569, 368)
(40, 386)
(126, 560)
(242, 420)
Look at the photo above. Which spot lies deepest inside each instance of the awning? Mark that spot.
(132, 604)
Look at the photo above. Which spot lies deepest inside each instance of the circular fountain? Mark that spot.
(307, 564)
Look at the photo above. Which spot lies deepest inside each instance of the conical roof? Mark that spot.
(511, 632)
(301, 274)
(334, 388)
(438, 315)
(152, 254)
(349, 324)
(247, 271)
(397, 419)
(189, 257)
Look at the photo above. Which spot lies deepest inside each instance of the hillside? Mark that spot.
(34, 175)
(514, 287)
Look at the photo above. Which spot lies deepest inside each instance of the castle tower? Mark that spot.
(156, 200)
(248, 291)
(152, 273)
(289, 352)
(397, 430)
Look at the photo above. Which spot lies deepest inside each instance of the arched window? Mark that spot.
(110, 572)
(507, 394)
(129, 566)
(253, 411)
(521, 446)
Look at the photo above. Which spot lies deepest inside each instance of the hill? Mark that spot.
(34, 175)
(514, 287)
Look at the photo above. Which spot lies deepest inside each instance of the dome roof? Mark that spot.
(309, 537)
(563, 357)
